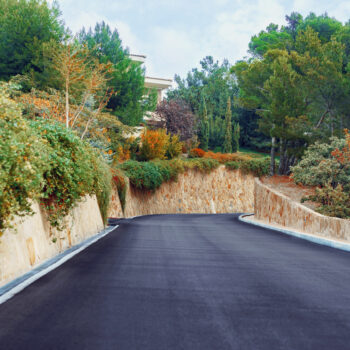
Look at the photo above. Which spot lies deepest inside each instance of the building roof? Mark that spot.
(158, 83)
(137, 58)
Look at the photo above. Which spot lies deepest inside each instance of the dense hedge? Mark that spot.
(258, 167)
(44, 161)
(150, 175)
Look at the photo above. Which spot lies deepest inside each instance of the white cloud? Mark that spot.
(176, 34)
(171, 50)
(231, 32)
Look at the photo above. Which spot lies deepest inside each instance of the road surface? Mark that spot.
(187, 282)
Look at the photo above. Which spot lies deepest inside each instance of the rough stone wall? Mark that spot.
(273, 207)
(220, 191)
(32, 240)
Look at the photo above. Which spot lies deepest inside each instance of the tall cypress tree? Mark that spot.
(236, 134)
(204, 125)
(228, 128)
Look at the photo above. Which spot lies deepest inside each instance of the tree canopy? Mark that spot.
(130, 100)
(24, 27)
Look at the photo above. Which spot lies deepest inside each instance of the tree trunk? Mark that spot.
(67, 102)
(284, 159)
(272, 162)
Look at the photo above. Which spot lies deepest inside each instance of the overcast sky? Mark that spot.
(176, 34)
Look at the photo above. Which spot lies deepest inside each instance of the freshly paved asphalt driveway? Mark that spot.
(187, 282)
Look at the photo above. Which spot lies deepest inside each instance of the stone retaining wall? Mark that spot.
(220, 191)
(273, 207)
(34, 241)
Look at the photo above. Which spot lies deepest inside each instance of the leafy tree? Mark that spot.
(131, 100)
(83, 81)
(213, 83)
(273, 88)
(24, 27)
(300, 94)
(228, 128)
(177, 118)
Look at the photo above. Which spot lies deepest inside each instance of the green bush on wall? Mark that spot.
(75, 170)
(150, 175)
(256, 166)
(44, 161)
(23, 161)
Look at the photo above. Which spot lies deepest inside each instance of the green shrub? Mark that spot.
(142, 175)
(150, 175)
(333, 201)
(75, 170)
(328, 167)
(258, 167)
(318, 167)
(234, 165)
(23, 160)
(201, 164)
(174, 147)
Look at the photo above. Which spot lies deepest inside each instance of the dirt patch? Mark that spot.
(286, 186)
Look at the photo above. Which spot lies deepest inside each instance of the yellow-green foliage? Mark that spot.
(157, 144)
(174, 148)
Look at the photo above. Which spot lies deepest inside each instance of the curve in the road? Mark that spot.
(187, 282)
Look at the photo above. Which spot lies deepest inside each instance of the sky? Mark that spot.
(176, 34)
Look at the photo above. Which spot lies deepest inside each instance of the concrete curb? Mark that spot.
(318, 240)
(12, 288)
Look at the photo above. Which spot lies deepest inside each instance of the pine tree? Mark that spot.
(228, 128)
(236, 134)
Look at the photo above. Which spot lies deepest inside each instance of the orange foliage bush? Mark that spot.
(47, 107)
(197, 152)
(226, 157)
(154, 144)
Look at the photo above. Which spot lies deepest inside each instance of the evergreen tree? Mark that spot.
(131, 100)
(228, 128)
(24, 27)
(236, 134)
(204, 132)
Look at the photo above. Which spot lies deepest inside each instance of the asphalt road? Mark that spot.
(187, 282)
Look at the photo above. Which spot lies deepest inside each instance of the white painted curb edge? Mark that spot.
(12, 288)
(318, 240)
